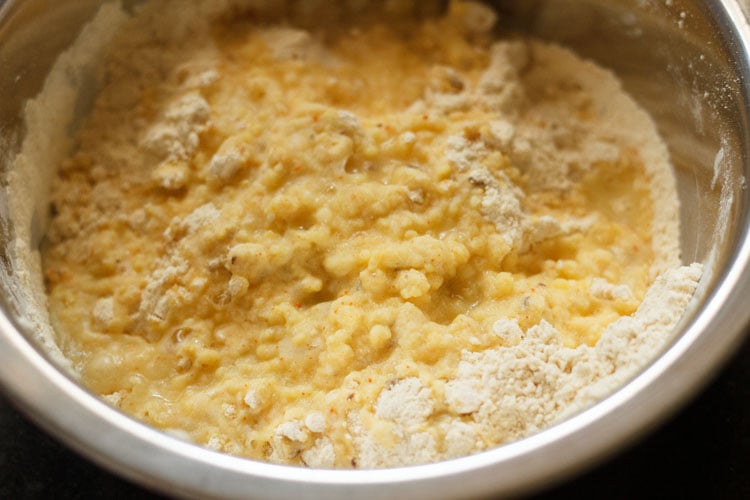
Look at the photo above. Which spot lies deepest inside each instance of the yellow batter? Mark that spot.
(301, 220)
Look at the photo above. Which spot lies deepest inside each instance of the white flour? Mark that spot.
(48, 120)
(531, 384)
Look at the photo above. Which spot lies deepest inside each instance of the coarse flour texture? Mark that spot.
(387, 240)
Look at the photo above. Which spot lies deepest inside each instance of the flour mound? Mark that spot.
(553, 135)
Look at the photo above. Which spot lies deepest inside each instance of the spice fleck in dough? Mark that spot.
(384, 244)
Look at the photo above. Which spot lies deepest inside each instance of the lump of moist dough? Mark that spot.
(379, 243)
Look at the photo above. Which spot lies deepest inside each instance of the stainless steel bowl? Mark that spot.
(685, 61)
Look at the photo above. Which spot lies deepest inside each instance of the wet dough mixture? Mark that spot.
(369, 245)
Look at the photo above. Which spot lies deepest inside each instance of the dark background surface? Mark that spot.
(703, 452)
